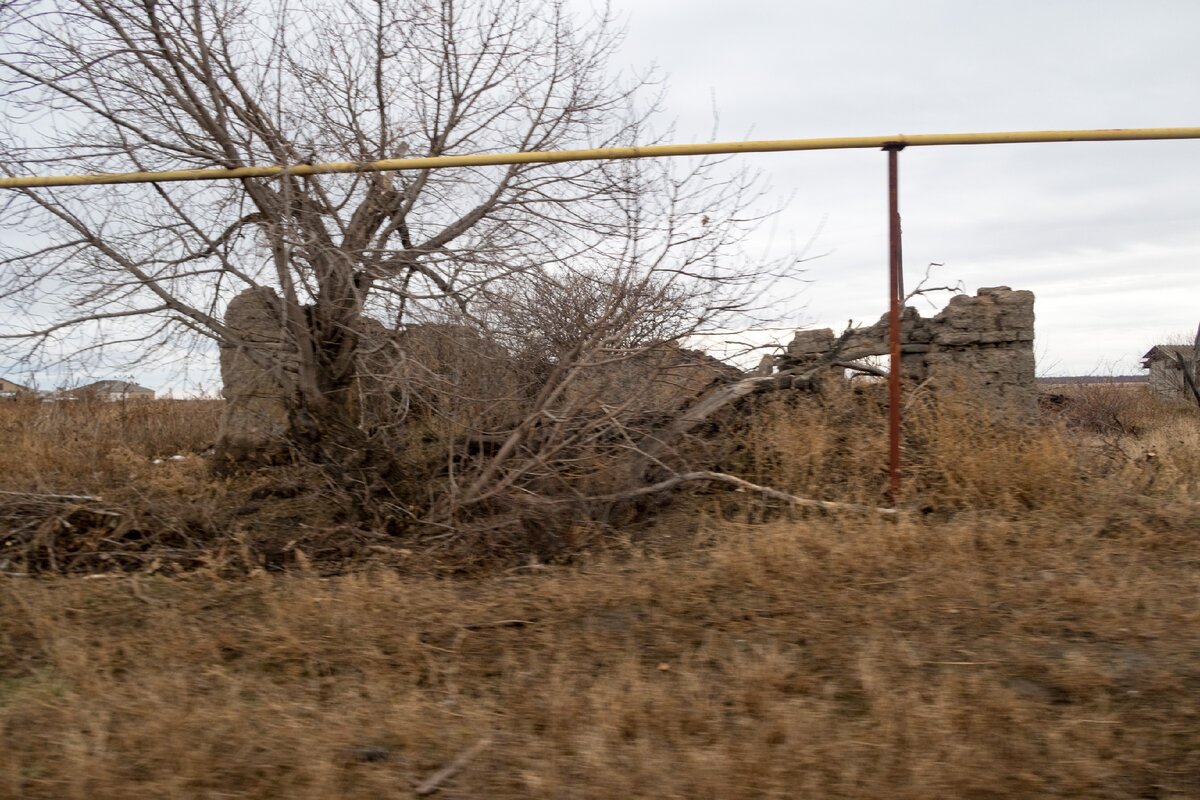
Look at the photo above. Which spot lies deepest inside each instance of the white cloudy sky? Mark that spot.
(1106, 234)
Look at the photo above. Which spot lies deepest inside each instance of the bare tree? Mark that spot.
(132, 85)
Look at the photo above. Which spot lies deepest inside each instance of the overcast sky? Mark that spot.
(1106, 234)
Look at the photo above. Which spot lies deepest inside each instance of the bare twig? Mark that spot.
(922, 289)
(54, 498)
(864, 368)
(135, 588)
(499, 623)
(742, 485)
(434, 781)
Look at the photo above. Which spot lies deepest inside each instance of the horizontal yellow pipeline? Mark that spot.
(650, 151)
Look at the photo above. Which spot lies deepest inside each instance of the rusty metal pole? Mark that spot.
(895, 282)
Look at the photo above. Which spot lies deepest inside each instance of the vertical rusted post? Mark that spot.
(895, 282)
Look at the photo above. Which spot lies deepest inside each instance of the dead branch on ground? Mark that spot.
(741, 485)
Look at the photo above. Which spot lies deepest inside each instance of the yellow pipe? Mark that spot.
(650, 151)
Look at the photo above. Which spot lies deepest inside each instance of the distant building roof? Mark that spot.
(12, 386)
(115, 387)
(1166, 351)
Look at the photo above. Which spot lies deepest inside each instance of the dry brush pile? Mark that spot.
(97, 487)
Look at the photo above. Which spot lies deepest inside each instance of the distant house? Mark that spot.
(10, 390)
(1166, 378)
(114, 390)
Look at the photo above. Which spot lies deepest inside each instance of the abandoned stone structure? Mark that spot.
(257, 366)
(658, 379)
(985, 341)
(396, 372)
(426, 373)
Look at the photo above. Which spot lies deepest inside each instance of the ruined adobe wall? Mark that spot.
(440, 371)
(259, 367)
(258, 377)
(986, 341)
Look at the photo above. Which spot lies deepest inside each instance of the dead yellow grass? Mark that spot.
(957, 456)
(89, 446)
(1029, 628)
(973, 659)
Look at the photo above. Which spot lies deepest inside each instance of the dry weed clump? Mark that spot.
(1117, 408)
(84, 446)
(90, 487)
(960, 456)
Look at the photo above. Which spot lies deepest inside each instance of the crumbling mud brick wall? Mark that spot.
(985, 341)
(258, 368)
(423, 374)
(396, 372)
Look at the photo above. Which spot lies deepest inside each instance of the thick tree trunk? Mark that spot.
(324, 423)
(291, 394)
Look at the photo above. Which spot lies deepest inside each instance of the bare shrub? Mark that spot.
(1110, 407)
(536, 408)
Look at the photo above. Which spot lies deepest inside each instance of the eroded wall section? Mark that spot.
(985, 341)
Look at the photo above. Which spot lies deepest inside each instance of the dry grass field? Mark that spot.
(1028, 627)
